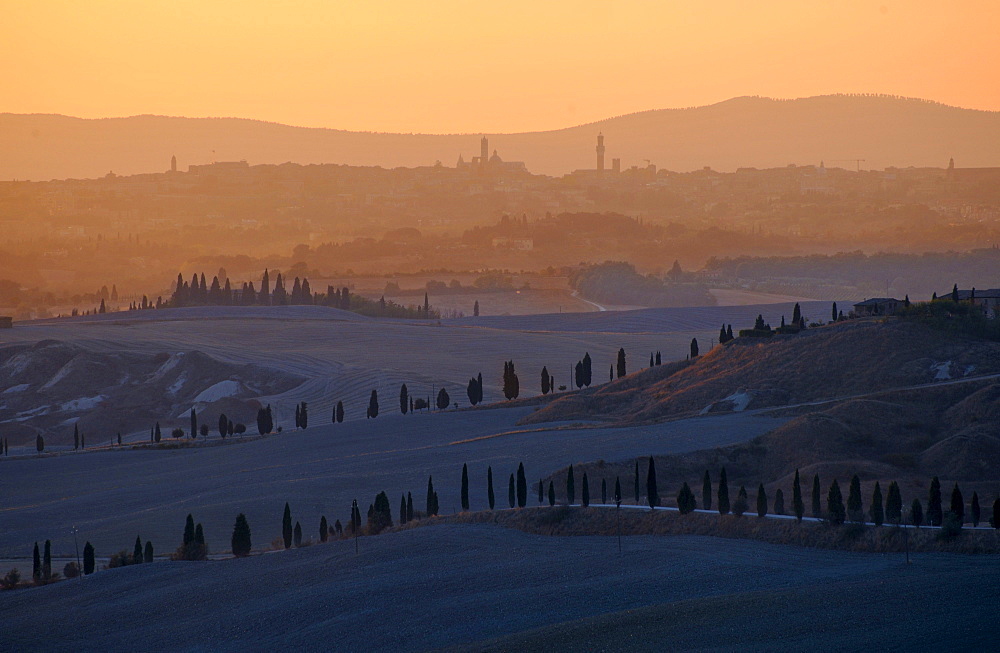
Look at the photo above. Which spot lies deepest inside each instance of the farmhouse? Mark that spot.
(877, 306)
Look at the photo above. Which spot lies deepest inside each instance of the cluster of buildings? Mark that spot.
(987, 300)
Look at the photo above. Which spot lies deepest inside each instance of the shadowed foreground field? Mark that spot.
(456, 585)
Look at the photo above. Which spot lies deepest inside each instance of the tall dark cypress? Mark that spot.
(975, 512)
(798, 507)
(541, 491)
(489, 487)
(817, 507)
(137, 557)
(409, 507)
(552, 495)
(402, 509)
(894, 505)
(88, 558)
(188, 530)
(854, 507)
(511, 493)
(723, 493)
(404, 399)
(324, 528)
(878, 516)
(240, 541)
(286, 526)
(958, 504)
(585, 491)
(652, 494)
(465, 486)
(36, 564)
(570, 487)
(604, 491)
(430, 496)
(194, 424)
(934, 512)
(636, 481)
(47, 561)
(761, 501)
(835, 504)
(522, 487)
(706, 492)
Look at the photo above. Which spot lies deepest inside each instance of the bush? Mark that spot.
(11, 580)
(951, 526)
(71, 570)
(121, 559)
(740, 505)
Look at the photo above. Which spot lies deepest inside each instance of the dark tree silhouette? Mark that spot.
(324, 528)
(570, 487)
(465, 486)
(522, 487)
(88, 558)
(779, 502)
(894, 505)
(297, 534)
(706, 492)
(224, 425)
(489, 487)
(652, 494)
(587, 369)
(340, 411)
(404, 399)
(511, 492)
(373, 405)
(817, 508)
(854, 506)
(545, 380)
(694, 348)
(723, 493)
(835, 504)
(241, 536)
(740, 505)
(878, 515)
(552, 496)
(286, 526)
(934, 512)
(604, 491)
(761, 501)
(975, 513)
(686, 503)
(443, 400)
(916, 513)
(585, 491)
(621, 363)
(798, 507)
(958, 504)
(636, 481)
(36, 564)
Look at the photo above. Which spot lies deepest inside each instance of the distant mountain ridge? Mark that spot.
(741, 132)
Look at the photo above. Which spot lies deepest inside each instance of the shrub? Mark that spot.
(951, 526)
(121, 559)
(177, 433)
(11, 580)
(686, 502)
(241, 536)
(71, 570)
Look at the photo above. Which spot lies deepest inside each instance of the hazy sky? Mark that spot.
(469, 66)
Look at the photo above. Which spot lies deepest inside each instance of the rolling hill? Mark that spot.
(745, 131)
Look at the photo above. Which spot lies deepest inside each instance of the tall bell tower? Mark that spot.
(600, 152)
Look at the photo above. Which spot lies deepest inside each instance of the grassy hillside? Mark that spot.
(843, 360)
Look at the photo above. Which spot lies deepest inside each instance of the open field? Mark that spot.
(112, 496)
(454, 585)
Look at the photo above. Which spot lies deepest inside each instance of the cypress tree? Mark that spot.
(585, 491)
(995, 519)
(224, 422)
(975, 511)
(373, 405)
(934, 513)
(76, 437)
(587, 369)
(409, 507)
(188, 531)
(604, 491)
(854, 506)
(47, 561)
(652, 494)
(402, 509)
(541, 491)
(621, 367)
(740, 505)
(199, 535)
(958, 504)
(489, 486)
(878, 516)
(552, 494)
(88, 558)
(618, 490)
(694, 348)
(137, 556)
(916, 513)
(522, 487)
(36, 564)
(430, 496)
(324, 528)
(779, 501)
(706, 492)
(761, 501)
(835, 504)
(545, 380)
(240, 540)
(570, 489)
(286, 526)
(817, 508)
(298, 535)
(465, 486)
(686, 502)
(511, 493)
(723, 493)
(194, 424)
(798, 507)
(340, 412)
(894, 505)
(636, 481)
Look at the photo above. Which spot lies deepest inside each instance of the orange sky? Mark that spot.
(470, 66)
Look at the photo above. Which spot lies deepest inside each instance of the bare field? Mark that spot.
(453, 585)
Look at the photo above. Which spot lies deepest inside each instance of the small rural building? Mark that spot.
(6, 322)
(877, 306)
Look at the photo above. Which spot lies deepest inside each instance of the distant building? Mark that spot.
(520, 244)
(877, 306)
(600, 151)
(173, 163)
(988, 300)
(486, 163)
